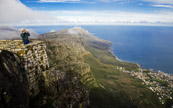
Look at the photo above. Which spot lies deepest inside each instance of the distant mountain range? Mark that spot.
(76, 32)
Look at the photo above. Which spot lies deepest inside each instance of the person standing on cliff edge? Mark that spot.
(25, 34)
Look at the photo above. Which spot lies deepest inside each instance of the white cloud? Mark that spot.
(164, 6)
(54, 1)
(13, 12)
(111, 0)
(13, 33)
(112, 17)
(163, 2)
(53, 31)
(160, 1)
(126, 1)
(67, 1)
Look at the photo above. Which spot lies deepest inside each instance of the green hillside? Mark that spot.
(117, 89)
(98, 69)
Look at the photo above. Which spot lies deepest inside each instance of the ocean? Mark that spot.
(149, 46)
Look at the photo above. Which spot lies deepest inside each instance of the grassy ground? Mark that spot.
(117, 89)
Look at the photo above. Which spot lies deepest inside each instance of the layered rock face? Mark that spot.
(66, 54)
(26, 76)
(34, 60)
(66, 49)
(65, 90)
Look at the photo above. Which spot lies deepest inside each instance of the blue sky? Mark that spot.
(92, 12)
(100, 5)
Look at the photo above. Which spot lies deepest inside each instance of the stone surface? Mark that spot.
(27, 79)
(65, 90)
(13, 91)
(34, 60)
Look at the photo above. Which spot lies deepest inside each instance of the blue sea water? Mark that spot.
(149, 46)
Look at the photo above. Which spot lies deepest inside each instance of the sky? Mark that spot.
(86, 12)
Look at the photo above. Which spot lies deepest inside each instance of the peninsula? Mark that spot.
(71, 68)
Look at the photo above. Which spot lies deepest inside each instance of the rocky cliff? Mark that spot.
(66, 51)
(34, 61)
(28, 82)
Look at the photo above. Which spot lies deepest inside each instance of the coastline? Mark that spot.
(151, 70)
(111, 51)
(157, 81)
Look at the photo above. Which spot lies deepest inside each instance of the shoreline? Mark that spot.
(151, 70)
(122, 60)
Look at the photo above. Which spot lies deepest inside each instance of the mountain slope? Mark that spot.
(117, 89)
(76, 50)
(66, 52)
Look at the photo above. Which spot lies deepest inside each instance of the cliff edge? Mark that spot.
(26, 80)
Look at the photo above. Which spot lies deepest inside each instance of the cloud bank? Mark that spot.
(71, 1)
(57, 1)
(164, 6)
(14, 13)
(160, 1)
(13, 33)
(151, 1)
(112, 17)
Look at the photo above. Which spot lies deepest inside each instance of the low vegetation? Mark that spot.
(91, 58)
(117, 89)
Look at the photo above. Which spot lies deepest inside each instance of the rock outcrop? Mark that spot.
(13, 85)
(66, 54)
(28, 82)
(33, 58)
(66, 49)
(65, 90)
